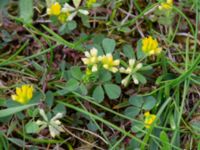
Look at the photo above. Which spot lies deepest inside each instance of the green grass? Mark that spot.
(46, 58)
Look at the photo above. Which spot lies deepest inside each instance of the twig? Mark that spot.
(82, 140)
(84, 130)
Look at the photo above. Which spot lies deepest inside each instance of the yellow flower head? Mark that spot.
(89, 3)
(109, 63)
(63, 17)
(55, 9)
(150, 46)
(149, 119)
(23, 94)
(91, 59)
(166, 5)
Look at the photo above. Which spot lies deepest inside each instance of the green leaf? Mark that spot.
(128, 51)
(99, 48)
(36, 98)
(136, 101)
(49, 98)
(72, 85)
(67, 27)
(105, 76)
(172, 121)
(149, 102)
(195, 126)
(91, 126)
(118, 78)
(76, 72)
(108, 45)
(17, 141)
(112, 90)
(3, 4)
(164, 138)
(124, 29)
(131, 111)
(13, 110)
(2, 102)
(31, 127)
(140, 78)
(83, 89)
(140, 53)
(71, 25)
(59, 108)
(37, 66)
(85, 20)
(137, 126)
(98, 94)
(26, 10)
(32, 112)
(98, 38)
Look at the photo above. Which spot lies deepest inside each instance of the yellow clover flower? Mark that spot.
(109, 63)
(166, 5)
(149, 119)
(55, 9)
(91, 59)
(23, 94)
(150, 46)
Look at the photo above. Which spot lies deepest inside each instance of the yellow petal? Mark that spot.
(29, 92)
(116, 62)
(55, 9)
(146, 113)
(14, 97)
(114, 69)
(18, 91)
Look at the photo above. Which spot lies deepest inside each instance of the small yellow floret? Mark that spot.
(91, 59)
(55, 9)
(150, 46)
(23, 94)
(109, 63)
(149, 119)
(166, 5)
(63, 17)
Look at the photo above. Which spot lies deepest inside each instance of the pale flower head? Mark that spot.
(91, 59)
(54, 125)
(131, 69)
(109, 63)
